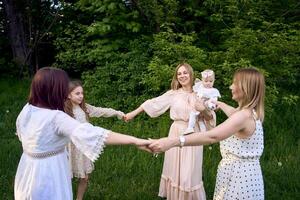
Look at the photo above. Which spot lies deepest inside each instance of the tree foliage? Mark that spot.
(127, 50)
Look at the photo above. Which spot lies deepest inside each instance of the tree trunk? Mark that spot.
(17, 33)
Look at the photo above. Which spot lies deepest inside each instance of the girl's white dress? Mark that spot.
(43, 172)
(239, 172)
(80, 164)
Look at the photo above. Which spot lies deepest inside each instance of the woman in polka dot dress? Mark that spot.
(241, 135)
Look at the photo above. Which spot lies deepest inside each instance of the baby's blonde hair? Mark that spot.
(208, 73)
(252, 83)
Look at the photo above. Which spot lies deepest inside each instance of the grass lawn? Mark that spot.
(127, 173)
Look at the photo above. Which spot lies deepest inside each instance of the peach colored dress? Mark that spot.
(181, 177)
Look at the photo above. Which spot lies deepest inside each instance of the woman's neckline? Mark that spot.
(187, 91)
(39, 107)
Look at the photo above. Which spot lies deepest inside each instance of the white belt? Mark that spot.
(44, 154)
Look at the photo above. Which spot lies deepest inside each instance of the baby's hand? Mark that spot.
(211, 104)
(217, 103)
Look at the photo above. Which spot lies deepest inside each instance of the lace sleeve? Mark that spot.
(103, 112)
(89, 139)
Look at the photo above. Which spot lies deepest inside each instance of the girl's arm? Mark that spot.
(232, 125)
(227, 109)
(114, 138)
(103, 112)
(132, 114)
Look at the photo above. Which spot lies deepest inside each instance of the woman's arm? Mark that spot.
(132, 114)
(227, 109)
(153, 107)
(114, 138)
(232, 125)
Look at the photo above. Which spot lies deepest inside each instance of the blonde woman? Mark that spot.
(181, 177)
(240, 136)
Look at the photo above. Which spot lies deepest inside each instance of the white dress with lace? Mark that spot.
(43, 171)
(239, 173)
(80, 164)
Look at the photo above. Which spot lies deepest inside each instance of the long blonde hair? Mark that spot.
(68, 107)
(252, 83)
(175, 85)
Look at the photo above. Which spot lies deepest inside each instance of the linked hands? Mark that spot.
(143, 144)
(129, 116)
(156, 145)
(162, 144)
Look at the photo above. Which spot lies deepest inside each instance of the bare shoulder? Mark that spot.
(241, 115)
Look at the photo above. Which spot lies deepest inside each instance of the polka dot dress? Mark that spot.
(239, 173)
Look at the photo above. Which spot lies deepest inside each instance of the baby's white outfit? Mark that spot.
(210, 95)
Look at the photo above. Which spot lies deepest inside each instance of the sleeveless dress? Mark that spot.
(181, 177)
(239, 173)
(80, 165)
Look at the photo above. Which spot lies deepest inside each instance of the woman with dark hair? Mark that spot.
(44, 130)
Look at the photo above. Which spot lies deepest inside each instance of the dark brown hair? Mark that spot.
(68, 104)
(49, 88)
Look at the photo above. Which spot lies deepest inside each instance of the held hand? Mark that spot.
(160, 145)
(143, 145)
(218, 104)
(129, 116)
(145, 148)
(121, 115)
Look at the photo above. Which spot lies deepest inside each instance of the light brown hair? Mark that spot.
(252, 83)
(68, 104)
(175, 85)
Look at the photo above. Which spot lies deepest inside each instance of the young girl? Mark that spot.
(44, 131)
(76, 107)
(204, 89)
(240, 136)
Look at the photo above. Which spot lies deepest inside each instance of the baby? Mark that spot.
(204, 89)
